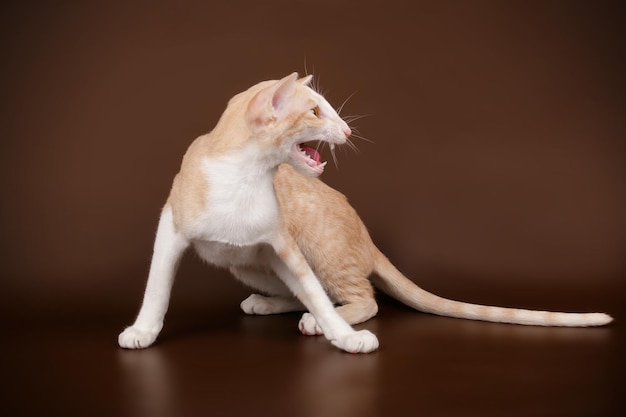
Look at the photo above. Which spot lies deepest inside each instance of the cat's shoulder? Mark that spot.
(289, 180)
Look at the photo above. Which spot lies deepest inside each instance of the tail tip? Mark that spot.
(599, 319)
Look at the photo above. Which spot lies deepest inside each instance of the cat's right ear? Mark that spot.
(272, 102)
(306, 80)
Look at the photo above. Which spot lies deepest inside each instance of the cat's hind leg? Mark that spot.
(353, 313)
(279, 298)
(356, 303)
(292, 268)
(258, 304)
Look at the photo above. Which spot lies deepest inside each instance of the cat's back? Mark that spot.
(187, 198)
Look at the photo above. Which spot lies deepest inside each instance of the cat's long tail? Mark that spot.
(392, 282)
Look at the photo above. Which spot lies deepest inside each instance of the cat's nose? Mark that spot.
(347, 131)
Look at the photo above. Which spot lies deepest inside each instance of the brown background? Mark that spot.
(496, 172)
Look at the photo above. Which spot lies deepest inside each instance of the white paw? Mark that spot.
(256, 304)
(362, 341)
(134, 338)
(308, 325)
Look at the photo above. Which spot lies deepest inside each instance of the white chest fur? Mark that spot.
(241, 206)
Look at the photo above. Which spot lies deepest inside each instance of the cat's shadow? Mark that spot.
(230, 323)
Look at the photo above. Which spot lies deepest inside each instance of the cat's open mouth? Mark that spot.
(307, 154)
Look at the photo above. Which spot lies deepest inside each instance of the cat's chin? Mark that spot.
(306, 160)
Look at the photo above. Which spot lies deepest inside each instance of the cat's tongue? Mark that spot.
(311, 153)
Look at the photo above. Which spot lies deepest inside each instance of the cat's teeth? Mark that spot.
(323, 164)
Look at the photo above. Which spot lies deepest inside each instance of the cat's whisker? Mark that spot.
(355, 131)
(344, 102)
(306, 70)
(316, 85)
(352, 146)
(332, 152)
(363, 138)
(354, 118)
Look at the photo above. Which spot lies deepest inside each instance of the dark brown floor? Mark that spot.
(229, 364)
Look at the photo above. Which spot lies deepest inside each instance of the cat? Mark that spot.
(247, 198)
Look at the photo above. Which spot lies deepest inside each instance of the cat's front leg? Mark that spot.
(169, 246)
(293, 269)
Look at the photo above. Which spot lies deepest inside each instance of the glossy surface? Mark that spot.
(229, 364)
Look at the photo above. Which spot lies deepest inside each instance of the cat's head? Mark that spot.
(289, 120)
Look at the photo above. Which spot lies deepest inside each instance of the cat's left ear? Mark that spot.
(272, 102)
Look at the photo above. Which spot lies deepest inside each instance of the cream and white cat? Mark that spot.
(246, 198)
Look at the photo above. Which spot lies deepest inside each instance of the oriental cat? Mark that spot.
(247, 198)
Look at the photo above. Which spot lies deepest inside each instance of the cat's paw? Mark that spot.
(134, 338)
(362, 341)
(308, 325)
(256, 304)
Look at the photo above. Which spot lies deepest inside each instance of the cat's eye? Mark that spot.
(316, 111)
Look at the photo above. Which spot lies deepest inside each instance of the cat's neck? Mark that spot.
(242, 165)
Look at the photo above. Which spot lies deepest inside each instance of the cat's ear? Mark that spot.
(272, 102)
(306, 80)
(284, 90)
